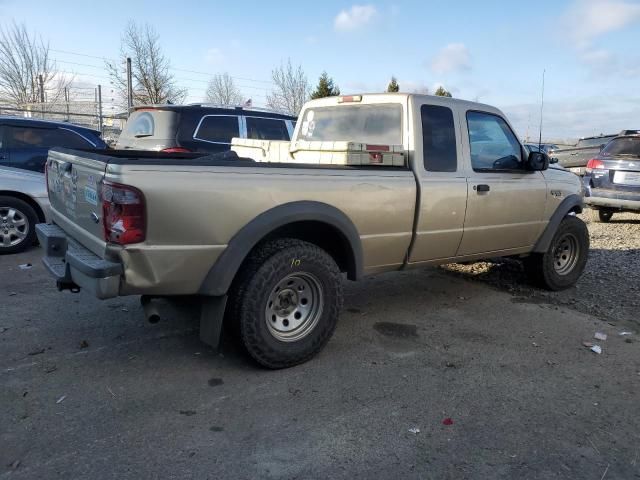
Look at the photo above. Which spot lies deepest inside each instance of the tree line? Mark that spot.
(28, 75)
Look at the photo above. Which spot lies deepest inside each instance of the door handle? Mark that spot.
(482, 188)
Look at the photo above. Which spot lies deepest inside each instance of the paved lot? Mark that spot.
(89, 390)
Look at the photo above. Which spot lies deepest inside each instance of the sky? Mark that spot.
(490, 51)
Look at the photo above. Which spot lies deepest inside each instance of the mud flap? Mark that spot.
(211, 319)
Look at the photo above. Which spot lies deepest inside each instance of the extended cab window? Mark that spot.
(28, 137)
(438, 139)
(267, 129)
(493, 144)
(378, 124)
(218, 129)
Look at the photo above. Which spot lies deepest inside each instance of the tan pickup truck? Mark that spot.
(369, 184)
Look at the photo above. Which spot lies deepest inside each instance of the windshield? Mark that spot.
(380, 124)
(622, 146)
(593, 142)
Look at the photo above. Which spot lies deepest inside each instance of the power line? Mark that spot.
(107, 59)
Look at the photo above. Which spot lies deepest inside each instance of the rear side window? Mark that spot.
(267, 129)
(27, 137)
(438, 139)
(217, 129)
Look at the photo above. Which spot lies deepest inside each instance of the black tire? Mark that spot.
(21, 212)
(252, 295)
(602, 215)
(555, 269)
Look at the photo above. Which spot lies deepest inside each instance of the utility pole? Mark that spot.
(129, 86)
(66, 100)
(100, 108)
(41, 85)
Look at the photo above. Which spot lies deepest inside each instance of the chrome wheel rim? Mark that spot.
(294, 307)
(14, 226)
(565, 254)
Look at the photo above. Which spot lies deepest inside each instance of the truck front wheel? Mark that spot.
(286, 302)
(562, 264)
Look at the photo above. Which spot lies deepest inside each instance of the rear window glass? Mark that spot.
(380, 124)
(217, 129)
(438, 139)
(593, 142)
(27, 137)
(267, 129)
(622, 146)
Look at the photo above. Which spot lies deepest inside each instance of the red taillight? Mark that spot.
(123, 213)
(176, 150)
(594, 163)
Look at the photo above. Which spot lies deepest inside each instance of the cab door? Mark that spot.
(442, 183)
(506, 203)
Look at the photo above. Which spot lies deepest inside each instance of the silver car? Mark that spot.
(23, 203)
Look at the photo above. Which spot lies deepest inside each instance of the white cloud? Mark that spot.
(356, 17)
(214, 56)
(589, 19)
(452, 58)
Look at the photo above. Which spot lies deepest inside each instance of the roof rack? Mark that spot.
(238, 107)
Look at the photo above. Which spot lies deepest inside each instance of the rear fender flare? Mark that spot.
(221, 275)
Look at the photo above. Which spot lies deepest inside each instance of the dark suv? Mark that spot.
(25, 142)
(612, 181)
(200, 128)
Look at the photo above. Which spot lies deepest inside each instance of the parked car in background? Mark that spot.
(576, 158)
(24, 142)
(542, 147)
(200, 128)
(23, 203)
(612, 179)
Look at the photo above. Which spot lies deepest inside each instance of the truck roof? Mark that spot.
(389, 96)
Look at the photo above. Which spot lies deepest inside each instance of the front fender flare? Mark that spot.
(221, 275)
(573, 202)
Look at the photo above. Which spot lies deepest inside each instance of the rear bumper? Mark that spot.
(619, 199)
(73, 266)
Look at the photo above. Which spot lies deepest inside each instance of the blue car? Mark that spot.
(612, 182)
(25, 142)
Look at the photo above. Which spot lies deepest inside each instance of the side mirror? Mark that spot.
(553, 160)
(537, 161)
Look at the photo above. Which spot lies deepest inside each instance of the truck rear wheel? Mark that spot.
(562, 264)
(286, 302)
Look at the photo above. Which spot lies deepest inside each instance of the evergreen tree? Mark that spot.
(441, 92)
(325, 88)
(393, 85)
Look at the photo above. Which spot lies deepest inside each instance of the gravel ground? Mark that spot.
(429, 375)
(608, 289)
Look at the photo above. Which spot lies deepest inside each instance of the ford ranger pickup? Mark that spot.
(262, 235)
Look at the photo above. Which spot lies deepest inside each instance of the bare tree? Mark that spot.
(150, 68)
(24, 63)
(223, 91)
(291, 89)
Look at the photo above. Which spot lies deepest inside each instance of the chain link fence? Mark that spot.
(79, 106)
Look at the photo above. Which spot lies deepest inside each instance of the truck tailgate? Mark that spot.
(73, 180)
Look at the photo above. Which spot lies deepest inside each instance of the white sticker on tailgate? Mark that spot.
(627, 178)
(91, 195)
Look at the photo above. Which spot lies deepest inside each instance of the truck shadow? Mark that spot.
(607, 289)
